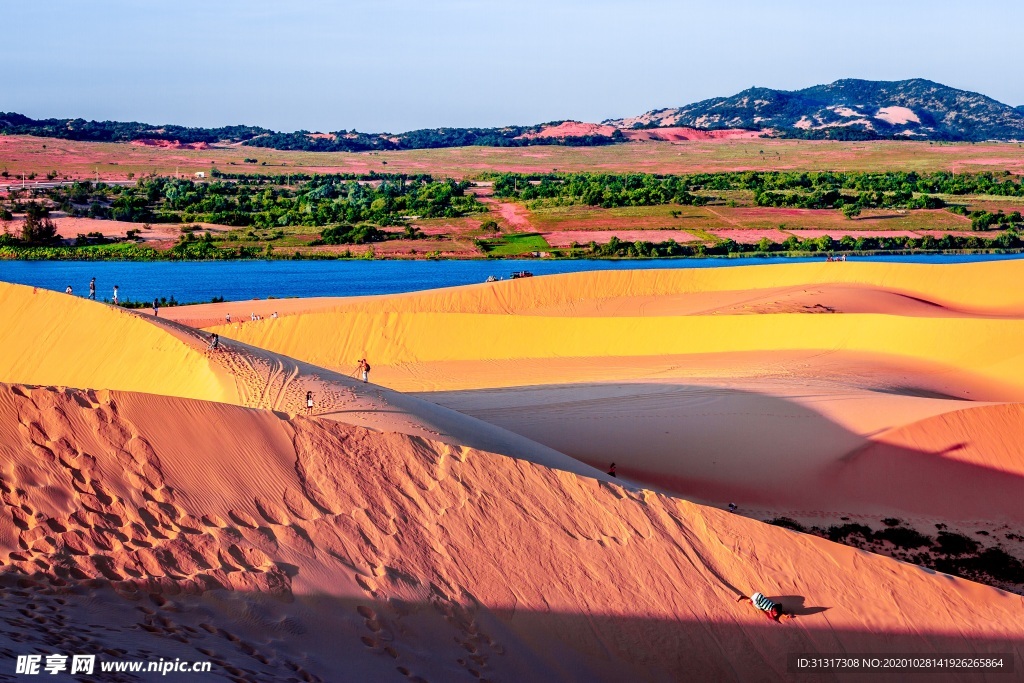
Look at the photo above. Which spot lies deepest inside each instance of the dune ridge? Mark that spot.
(54, 339)
(951, 286)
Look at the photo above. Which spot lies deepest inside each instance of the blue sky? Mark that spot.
(395, 65)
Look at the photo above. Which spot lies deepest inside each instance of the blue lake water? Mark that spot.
(239, 280)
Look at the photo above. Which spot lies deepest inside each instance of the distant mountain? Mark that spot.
(850, 109)
(339, 141)
(121, 131)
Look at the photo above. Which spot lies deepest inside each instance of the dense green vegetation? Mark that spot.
(1009, 239)
(119, 131)
(430, 138)
(186, 250)
(515, 244)
(779, 189)
(349, 209)
(316, 201)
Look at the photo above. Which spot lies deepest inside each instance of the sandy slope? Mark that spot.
(928, 319)
(55, 339)
(906, 289)
(317, 551)
(769, 386)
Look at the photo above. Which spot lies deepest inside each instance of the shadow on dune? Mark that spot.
(254, 636)
(721, 445)
(794, 604)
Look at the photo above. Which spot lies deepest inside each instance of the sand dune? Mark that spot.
(926, 320)
(324, 552)
(180, 498)
(54, 339)
(718, 384)
(951, 286)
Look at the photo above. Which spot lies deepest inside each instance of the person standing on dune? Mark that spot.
(92, 289)
(771, 610)
(611, 471)
(115, 296)
(364, 370)
(68, 290)
(156, 308)
(309, 402)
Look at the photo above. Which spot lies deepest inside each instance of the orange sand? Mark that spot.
(332, 552)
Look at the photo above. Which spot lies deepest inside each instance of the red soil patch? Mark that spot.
(839, 234)
(567, 237)
(959, 233)
(570, 129)
(681, 133)
(514, 215)
(771, 212)
(752, 236)
(169, 144)
(69, 228)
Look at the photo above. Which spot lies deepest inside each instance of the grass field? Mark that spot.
(515, 244)
(672, 217)
(25, 154)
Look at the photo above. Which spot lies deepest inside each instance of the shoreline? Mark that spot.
(114, 256)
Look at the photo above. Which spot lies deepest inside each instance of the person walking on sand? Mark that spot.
(214, 342)
(116, 300)
(309, 402)
(771, 610)
(92, 289)
(364, 370)
(156, 308)
(611, 471)
(228, 318)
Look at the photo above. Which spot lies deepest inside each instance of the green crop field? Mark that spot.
(515, 244)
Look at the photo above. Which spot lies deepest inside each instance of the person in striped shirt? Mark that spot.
(771, 610)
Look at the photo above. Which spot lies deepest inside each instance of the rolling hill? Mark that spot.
(850, 109)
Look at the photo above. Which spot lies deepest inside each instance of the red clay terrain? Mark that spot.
(114, 161)
(680, 134)
(169, 144)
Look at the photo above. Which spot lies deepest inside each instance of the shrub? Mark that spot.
(844, 531)
(37, 228)
(787, 523)
(348, 234)
(1000, 565)
(956, 544)
(902, 537)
